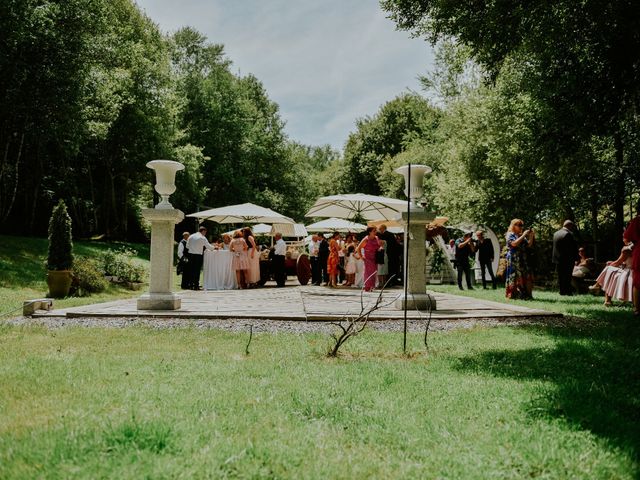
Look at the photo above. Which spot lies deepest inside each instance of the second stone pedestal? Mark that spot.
(160, 295)
(415, 251)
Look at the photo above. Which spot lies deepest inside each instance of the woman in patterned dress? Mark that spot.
(334, 260)
(518, 276)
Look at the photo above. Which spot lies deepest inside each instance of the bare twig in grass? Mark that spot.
(355, 324)
(246, 349)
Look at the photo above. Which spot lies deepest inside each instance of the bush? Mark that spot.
(60, 255)
(88, 277)
(121, 264)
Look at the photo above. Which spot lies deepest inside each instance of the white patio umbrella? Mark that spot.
(242, 213)
(258, 229)
(296, 230)
(335, 225)
(353, 205)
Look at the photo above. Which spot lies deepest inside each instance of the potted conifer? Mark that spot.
(60, 257)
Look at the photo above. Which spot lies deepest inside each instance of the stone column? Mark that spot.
(160, 295)
(415, 277)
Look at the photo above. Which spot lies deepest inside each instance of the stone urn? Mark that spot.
(165, 179)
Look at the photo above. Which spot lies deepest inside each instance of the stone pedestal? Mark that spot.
(415, 277)
(160, 295)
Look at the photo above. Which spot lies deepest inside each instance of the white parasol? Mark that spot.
(354, 205)
(243, 213)
(335, 225)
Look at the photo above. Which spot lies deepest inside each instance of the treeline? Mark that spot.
(533, 113)
(91, 90)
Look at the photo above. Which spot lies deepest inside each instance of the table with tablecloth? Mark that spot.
(218, 271)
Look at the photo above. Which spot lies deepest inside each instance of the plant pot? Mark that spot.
(59, 282)
(133, 285)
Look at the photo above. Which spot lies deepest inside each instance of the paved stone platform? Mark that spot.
(301, 303)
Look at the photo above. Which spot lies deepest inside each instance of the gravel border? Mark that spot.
(285, 326)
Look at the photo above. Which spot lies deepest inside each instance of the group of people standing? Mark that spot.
(245, 261)
(334, 259)
(464, 250)
(620, 279)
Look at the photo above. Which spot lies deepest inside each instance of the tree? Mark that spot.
(582, 64)
(386, 134)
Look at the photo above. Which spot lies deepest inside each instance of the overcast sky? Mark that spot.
(326, 63)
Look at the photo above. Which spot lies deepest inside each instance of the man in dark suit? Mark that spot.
(484, 248)
(393, 253)
(323, 257)
(565, 254)
(464, 250)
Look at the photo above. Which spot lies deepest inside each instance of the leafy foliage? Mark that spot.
(121, 263)
(88, 276)
(60, 255)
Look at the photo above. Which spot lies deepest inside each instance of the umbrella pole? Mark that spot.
(406, 260)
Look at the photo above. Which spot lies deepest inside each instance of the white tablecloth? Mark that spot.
(218, 274)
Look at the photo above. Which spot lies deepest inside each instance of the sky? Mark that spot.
(325, 63)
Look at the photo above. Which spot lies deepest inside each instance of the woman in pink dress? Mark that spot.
(253, 274)
(632, 237)
(240, 262)
(371, 245)
(616, 280)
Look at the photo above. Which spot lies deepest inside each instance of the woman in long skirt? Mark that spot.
(253, 273)
(371, 245)
(240, 262)
(333, 261)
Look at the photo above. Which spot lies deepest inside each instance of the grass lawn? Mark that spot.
(585, 306)
(527, 402)
(486, 403)
(23, 275)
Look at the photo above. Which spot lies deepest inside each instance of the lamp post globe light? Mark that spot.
(165, 179)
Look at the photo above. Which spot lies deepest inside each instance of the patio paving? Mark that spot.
(302, 303)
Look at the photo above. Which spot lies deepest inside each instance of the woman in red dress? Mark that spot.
(334, 260)
(632, 235)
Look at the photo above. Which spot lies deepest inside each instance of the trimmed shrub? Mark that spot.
(88, 277)
(122, 264)
(60, 256)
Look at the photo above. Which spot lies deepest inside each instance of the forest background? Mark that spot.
(529, 113)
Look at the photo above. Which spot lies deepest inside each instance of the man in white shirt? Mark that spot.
(279, 252)
(196, 244)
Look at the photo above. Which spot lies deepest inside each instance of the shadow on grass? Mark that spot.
(595, 372)
(22, 259)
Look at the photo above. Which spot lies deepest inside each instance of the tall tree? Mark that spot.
(582, 61)
(386, 134)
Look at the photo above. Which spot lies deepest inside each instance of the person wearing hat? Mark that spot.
(465, 248)
(564, 256)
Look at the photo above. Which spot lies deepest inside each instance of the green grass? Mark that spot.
(528, 402)
(485, 403)
(23, 275)
(585, 306)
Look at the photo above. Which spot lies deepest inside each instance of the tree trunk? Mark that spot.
(619, 200)
(594, 225)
